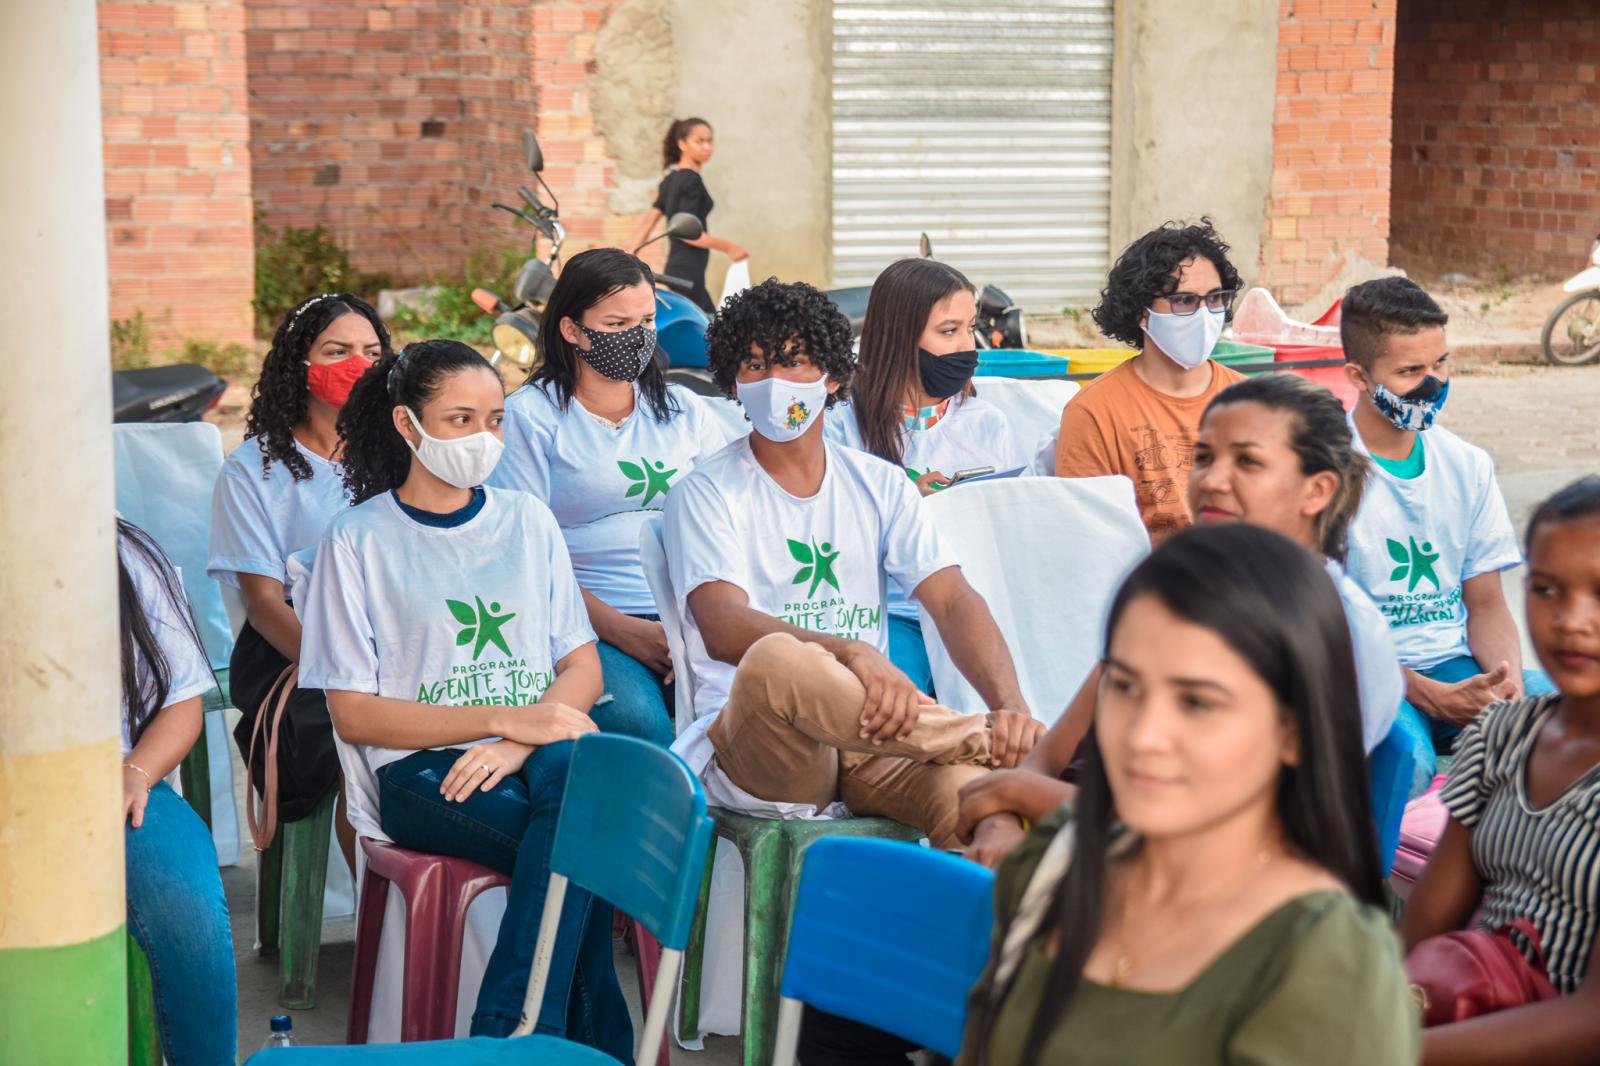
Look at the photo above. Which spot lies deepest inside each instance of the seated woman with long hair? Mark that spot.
(1274, 451)
(446, 627)
(1213, 895)
(176, 910)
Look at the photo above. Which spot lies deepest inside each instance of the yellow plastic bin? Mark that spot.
(1093, 360)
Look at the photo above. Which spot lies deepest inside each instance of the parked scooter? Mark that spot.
(516, 328)
(182, 392)
(1000, 325)
(1572, 332)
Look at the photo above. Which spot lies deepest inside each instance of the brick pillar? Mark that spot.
(1331, 143)
(177, 159)
(577, 164)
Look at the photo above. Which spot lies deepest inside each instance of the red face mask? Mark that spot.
(332, 382)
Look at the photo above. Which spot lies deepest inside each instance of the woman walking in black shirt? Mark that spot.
(685, 150)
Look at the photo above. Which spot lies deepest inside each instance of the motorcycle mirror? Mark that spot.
(531, 152)
(684, 226)
(925, 247)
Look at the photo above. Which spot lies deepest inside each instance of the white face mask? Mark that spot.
(782, 410)
(1187, 340)
(461, 461)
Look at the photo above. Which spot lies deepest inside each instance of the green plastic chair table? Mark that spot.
(772, 850)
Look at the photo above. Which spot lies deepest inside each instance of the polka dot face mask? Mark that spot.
(621, 355)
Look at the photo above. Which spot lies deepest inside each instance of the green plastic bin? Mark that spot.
(1232, 353)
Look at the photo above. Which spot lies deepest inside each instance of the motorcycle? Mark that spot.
(680, 325)
(182, 392)
(1000, 324)
(1571, 334)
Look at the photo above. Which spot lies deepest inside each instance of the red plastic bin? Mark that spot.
(1332, 378)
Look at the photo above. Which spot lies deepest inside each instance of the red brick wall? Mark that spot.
(394, 126)
(1331, 143)
(1497, 135)
(177, 160)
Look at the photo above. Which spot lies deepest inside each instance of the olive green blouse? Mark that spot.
(1317, 981)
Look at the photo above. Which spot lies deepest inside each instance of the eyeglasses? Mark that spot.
(1187, 303)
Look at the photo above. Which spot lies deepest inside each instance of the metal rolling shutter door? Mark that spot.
(987, 126)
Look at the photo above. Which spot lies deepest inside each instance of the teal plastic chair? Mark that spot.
(633, 831)
(889, 935)
(1389, 769)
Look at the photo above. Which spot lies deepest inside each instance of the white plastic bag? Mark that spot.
(737, 280)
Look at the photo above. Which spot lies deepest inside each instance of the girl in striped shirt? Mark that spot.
(1523, 839)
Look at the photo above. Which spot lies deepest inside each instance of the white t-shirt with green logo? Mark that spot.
(601, 483)
(971, 434)
(188, 672)
(819, 563)
(259, 520)
(1414, 542)
(475, 614)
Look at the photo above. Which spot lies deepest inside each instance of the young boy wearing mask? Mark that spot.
(1168, 295)
(1432, 534)
(778, 548)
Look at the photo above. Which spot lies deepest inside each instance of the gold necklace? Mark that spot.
(1123, 965)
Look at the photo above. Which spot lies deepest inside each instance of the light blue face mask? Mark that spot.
(1417, 409)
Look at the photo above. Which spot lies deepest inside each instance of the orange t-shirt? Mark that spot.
(1118, 424)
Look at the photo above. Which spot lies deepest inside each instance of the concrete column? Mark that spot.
(62, 903)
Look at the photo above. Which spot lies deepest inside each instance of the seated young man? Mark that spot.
(1432, 534)
(1168, 295)
(778, 548)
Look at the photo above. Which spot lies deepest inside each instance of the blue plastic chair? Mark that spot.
(633, 831)
(1390, 768)
(887, 934)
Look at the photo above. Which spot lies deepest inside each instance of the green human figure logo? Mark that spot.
(816, 564)
(652, 479)
(1415, 562)
(481, 627)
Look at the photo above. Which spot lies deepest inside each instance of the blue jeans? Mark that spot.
(640, 704)
(512, 829)
(179, 916)
(1430, 736)
(908, 653)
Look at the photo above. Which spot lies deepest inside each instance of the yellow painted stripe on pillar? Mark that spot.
(61, 864)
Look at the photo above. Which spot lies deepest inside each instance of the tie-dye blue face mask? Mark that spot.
(1415, 410)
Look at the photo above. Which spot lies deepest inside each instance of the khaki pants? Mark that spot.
(791, 732)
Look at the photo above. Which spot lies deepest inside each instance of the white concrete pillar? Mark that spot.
(62, 902)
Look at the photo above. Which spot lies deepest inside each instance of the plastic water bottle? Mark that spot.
(282, 1034)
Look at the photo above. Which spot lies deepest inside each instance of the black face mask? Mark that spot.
(621, 355)
(945, 375)
(1425, 391)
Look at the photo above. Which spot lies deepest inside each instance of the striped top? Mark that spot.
(1543, 863)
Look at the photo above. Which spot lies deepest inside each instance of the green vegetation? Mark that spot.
(131, 349)
(292, 264)
(448, 312)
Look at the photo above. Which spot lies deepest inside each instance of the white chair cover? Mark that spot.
(1047, 554)
(164, 476)
(729, 414)
(1032, 407)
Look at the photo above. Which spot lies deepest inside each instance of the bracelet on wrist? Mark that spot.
(149, 782)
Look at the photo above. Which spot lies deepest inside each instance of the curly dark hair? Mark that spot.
(278, 401)
(1148, 268)
(375, 457)
(776, 317)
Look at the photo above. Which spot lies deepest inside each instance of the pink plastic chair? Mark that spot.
(647, 957)
(437, 890)
(1420, 830)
